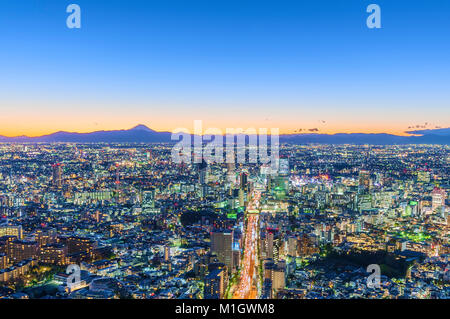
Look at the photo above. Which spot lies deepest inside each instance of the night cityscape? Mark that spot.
(224, 158)
(140, 226)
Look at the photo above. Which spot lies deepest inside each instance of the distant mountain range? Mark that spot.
(137, 134)
(143, 134)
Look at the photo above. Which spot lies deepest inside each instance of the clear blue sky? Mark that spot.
(287, 64)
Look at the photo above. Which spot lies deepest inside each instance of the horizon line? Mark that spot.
(179, 130)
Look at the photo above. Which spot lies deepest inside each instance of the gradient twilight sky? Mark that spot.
(231, 63)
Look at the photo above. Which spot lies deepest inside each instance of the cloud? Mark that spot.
(421, 126)
(436, 131)
(314, 129)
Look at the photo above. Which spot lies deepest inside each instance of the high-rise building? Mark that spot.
(57, 174)
(231, 174)
(202, 172)
(117, 174)
(203, 178)
(269, 245)
(272, 244)
(363, 201)
(222, 246)
(244, 180)
(166, 253)
(364, 181)
(292, 246)
(3, 261)
(215, 285)
(275, 272)
(267, 289)
(438, 196)
(241, 198)
(224, 275)
(284, 169)
(279, 277)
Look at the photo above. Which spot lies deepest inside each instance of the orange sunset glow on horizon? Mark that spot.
(39, 128)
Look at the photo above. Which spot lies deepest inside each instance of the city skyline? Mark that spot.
(226, 155)
(254, 64)
(126, 221)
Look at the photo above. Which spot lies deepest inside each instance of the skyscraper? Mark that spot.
(203, 178)
(202, 172)
(231, 175)
(364, 181)
(284, 166)
(166, 253)
(221, 245)
(57, 174)
(438, 196)
(215, 284)
(244, 180)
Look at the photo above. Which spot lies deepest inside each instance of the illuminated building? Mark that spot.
(423, 177)
(231, 174)
(306, 246)
(166, 253)
(364, 201)
(203, 178)
(46, 237)
(19, 250)
(244, 181)
(202, 173)
(3, 261)
(81, 246)
(438, 198)
(272, 245)
(9, 230)
(53, 254)
(364, 182)
(18, 270)
(279, 277)
(215, 284)
(284, 167)
(241, 197)
(276, 273)
(279, 186)
(292, 246)
(221, 245)
(57, 174)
